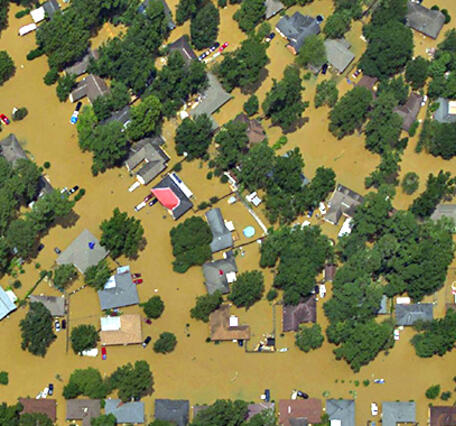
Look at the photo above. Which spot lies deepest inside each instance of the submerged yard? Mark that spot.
(196, 370)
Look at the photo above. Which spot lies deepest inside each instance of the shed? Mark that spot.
(294, 315)
(55, 305)
(341, 410)
(409, 111)
(51, 7)
(339, 54)
(410, 314)
(424, 20)
(125, 412)
(44, 406)
(215, 274)
(398, 412)
(172, 410)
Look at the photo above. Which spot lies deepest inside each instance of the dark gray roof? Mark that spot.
(125, 412)
(409, 111)
(183, 46)
(91, 86)
(341, 409)
(338, 54)
(50, 7)
(123, 293)
(11, 150)
(144, 150)
(343, 201)
(297, 28)
(442, 114)
(424, 20)
(55, 305)
(221, 236)
(273, 7)
(298, 421)
(79, 254)
(81, 66)
(184, 203)
(143, 6)
(213, 279)
(398, 412)
(409, 314)
(447, 210)
(122, 116)
(6, 305)
(172, 410)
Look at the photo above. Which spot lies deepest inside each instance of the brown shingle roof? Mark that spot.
(82, 409)
(219, 321)
(409, 111)
(368, 83)
(128, 334)
(255, 131)
(292, 315)
(45, 406)
(442, 416)
(330, 272)
(309, 409)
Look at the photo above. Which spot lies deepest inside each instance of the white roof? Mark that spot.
(336, 423)
(37, 15)
(90, 352)
(123, 269)
(110, 323)
(346, 227)
(452, 107)
(403, 300)
(229, 225)
(11, 295)
(111, 283)
(231, 277)
(234, 321)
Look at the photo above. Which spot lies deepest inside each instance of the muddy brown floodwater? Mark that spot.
(197, 370)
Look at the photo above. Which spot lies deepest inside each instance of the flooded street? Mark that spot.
(197, 370)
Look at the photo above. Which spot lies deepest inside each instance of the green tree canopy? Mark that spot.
(204, 26)
(256, 164)
(154, 307)
(87, 382)
(194, 136)
(416, 72)
(64, 275)
(250, 14)
(231, 143)
(21, 237)
(337, 24)
(133, 381)
(312, 52)
(145, 118)
(251, 105)
(410, 183)
(308, 338)
(35, 419)
(326, 94)
(104, 420)
(7, 68)
(96, 276)
(165, 343)
(205, 305)
(84, 337)
(247, 289)
(222, 412)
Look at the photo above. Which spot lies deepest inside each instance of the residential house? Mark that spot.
(226, 327)
(212, 99)
(369, 83)
(174, 411)
(426, 21)
(409, 111)
(444, 210)
(80, 67)
(122, 116)
(183, 46)
(143, 6)
(84, 251)
(294, 315)
(147, 153)
(341, 412)
(44, 406)
(254, 409)
(446, 112)
(51, 7)
(296, 29)
(394, 413)
(121, 330)
(383, 308)
(118, 291)
(125, 412)
(174, 195)
(91, 86)
(221, 235)
(7, 305)
(329, 273)
(410, 314)
(218, 274)
(299, 411)
(55, 305)
(343, 202)
(255, 131)
(442, 416)
(338, 54)
(273, 7)
(38, 14)
(83, 409)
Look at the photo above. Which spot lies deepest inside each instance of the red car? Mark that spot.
(138, 281)
(149, 197)
(136, 276)
(4, 118)
(223, 47)
(103, 353)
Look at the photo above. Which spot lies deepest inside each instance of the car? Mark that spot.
(146, 341)
(154, 201)
(134, 276)
(270, 37)
(4, 118)
(356, 73)
(41, 247)
(302, 394)
(51, 389)
(148, 321)
(103, 353)
(74, 189)
(320, 19)
(240, 342)
(423, 102)
(57, 250)
(324, 68)
(322, 208)
(214, 47)
(267, 395)
(45, 392)
(379, 381)
(374, 408)
(141, 205)
(223, 47)
(63, 324)
(322, 290)
(148, 197)
(78, 106)
(310, 213)
(396, 334)
(74, 117)
(57, 325)
(138, 281)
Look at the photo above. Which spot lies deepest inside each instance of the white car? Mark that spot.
(322, 208)
(423, 102)
(396, 334)
(140, 206)
(322, 290)
(45, 392)
(57, 325)
(374, 408)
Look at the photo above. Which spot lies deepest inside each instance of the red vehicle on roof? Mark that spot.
(138, 281)
(4, 118)
(103, 353)
(136, 276)
(223, 47)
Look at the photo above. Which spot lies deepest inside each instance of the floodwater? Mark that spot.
(197, 370)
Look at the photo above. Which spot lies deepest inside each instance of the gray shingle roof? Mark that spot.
(6, 306)
(55, 305)
(341, 409)
(297, 28)
(213, 280)
(338, 54)
(128, 412)
(81, 66)
(221, 236)
(50, 7)
(398, 412)
(91, 86)
(11, 150)
(343, 201)
(409, 314)
(383, 310)
(124, 293)
(122, 116)
(273, 7)
(447, 210)
(409, 111)
(79, 254)
(442, 114)
(424, 20)
(183, 46)
(172, 410)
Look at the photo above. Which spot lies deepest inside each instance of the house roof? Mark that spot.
(368, 82)
(55, 305)
(125, 412)
(6, 304)
(183, 46)
(80, 67)
(122, 116)
(82, 409)
(329, 272)
(343, 202)
(398, 412)
(129, 333)
(293, 315)
(91, 86)
(255, 131)
(258, 408)
(297, 28)
(309, 409)
(221, 236)
(172, 197)
(172, 410)
(409, 314)
(11, 150)
(143, 6)
(145, 149)
(341, 409)
(119, 291)
(426, 21)
(383, 309)
(409, 111)
(443, 113)
(219, 321)
(273, 7)
(338, 54)
(45, 406)
(215, 274)
(447, 210)
(80, 254)
(50, 7)
(442, 416)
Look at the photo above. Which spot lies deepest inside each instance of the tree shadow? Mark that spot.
(294, 126)
(68, 221)
(252, 88)
(141, 246)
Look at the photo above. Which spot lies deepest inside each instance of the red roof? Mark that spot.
(167, 197)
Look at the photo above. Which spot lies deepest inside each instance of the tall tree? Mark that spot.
(194, 136)
(7, 67)
(84, 337)
(204, 26)
(133, 381)
(312, 52)
(145, 118)
(247, 289)
(231, 143)
(250, 14)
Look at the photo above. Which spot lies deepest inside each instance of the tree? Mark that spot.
(29, 175)
(35, 419)
(4, 7)
(255, 165)
(116, 99)
(251, 105)
(9, 414)
(416, 72)
(194, 136)
(145, 118)
(87, 382)
(433, 392)
(264, 418)
(96, 276)
(387, 171)
(154, 307)
(222, 412)
(121, 234)
(250, 14)
(323, 183)
(133, 382)
(337, 24)
(4, 378)
(205, 305)
(350, 112)
(7, 68)
(312, 52)
(37, 329)
(438, 138)
(85, 127)
(397, 87)
(51, 76)
(65, 85)
(104, 420)
(21, 237)
(190, 240)
(231, 143)
(186, 9)
(64, 275)
(410, 183)
(283, 104)
(247, 289)
(326, 94)
(204, 26)
(353, 7)
(84, 337)
(308, 338)
(165, 343)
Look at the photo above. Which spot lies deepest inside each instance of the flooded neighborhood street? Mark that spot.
(197, 370)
